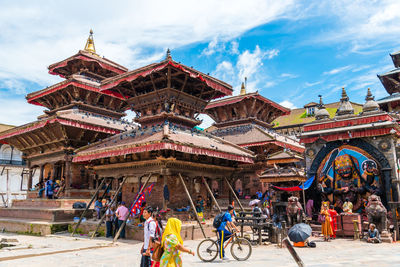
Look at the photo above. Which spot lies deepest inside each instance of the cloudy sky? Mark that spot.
(290, 51)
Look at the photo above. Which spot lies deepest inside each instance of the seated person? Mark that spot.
(373, 235)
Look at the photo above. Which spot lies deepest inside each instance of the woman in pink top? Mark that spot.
(122, 213)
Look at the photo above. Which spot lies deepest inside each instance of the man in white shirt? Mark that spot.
(149, 233)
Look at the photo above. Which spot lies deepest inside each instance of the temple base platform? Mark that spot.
(40, 216)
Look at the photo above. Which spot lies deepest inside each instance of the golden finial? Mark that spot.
(90, 43)
(244, 85)
(243, 90)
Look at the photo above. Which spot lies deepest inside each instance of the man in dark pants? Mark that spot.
(122, 213)
(223, 233)
(149, 233)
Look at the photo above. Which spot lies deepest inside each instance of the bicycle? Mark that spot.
(208, 249)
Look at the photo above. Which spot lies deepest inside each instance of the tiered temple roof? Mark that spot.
(167, 98)
(79, 112)
(246, 121)
(391, 79)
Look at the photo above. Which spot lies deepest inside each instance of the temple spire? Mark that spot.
(370, 104)
(345, 107)
(90, 43)
(321, 112)
(168, 55)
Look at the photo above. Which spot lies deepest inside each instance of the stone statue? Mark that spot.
(377, 213)
(294, 211)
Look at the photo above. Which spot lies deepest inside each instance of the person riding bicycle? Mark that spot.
(223, 233)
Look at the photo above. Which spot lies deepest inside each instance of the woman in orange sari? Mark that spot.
(333, 214)
(326, 224)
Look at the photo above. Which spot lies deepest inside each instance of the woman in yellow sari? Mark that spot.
(326, 226)
(172, 244)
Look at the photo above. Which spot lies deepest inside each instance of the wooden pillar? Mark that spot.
(67, 173)
(41, 172)
(163, 199)
(30, 179)
(53, 172)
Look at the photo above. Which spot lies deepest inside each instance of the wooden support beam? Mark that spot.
(211, 194)
(233, 192)
(114, 198)
(192, 204)
(137, 197)
(88, 206)
(169, 77)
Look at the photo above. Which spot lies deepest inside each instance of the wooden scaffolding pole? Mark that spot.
(114, 198)
(234, 194)
(137, 197)
(210, 192)
(88, 206)
(192, 204)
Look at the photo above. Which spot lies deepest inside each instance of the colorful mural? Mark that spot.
(348, 172)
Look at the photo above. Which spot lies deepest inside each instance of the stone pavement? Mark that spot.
(62, 250)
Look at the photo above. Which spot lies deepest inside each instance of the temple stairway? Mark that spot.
(40, 216)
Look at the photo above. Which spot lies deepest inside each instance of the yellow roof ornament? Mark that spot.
(90, 44)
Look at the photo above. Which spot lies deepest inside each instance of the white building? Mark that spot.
(13, 174)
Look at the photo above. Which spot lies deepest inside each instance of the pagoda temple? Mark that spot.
(167, 98)
(245, 120)
(77, 113)
(391, 82)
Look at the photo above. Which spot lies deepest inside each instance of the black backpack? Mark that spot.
(218, 220)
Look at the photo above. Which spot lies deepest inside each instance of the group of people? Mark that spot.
(50, 187)
(169, 238)
(328, 219)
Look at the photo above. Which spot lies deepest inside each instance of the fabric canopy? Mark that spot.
(307, 185)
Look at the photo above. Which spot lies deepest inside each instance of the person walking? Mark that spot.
(158, 235)
(326, 223)
(149, 234)
(122, 213)
(223, 233)
(172, 243)
(110, 214)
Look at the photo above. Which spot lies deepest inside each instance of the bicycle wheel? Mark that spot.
(241, 249)
(207, 250)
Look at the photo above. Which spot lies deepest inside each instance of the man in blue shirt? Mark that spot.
(223, 233)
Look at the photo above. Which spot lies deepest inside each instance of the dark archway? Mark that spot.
(386, 168)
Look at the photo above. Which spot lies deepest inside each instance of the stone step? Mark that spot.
(43, 214)
(31, 227)
(47, 203)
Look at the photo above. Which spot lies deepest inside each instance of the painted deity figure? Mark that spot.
(348, 179)
(294, 211)
(370, 178)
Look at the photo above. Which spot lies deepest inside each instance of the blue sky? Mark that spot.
(290, 51)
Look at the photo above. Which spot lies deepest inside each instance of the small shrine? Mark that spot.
(352, 156)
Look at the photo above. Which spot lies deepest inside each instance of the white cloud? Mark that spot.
(287, 104)
(272, 53)
(289, 75)
(37, 34)
(249, 62)
(225, 72)
(337, 70)
(234, 48)
(18, 111)
(307, 84)
(269, 84)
